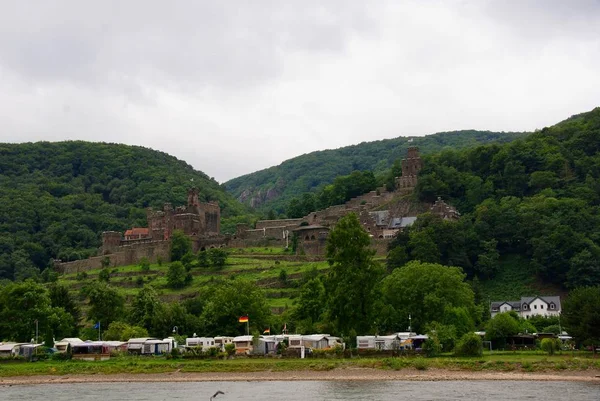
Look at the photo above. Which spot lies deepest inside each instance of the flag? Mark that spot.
(243, 319)
(267, 331)
(97, 325)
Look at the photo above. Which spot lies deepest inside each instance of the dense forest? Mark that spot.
(537, 198)
(274, 188)
(56, 198)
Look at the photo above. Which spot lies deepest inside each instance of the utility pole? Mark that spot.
(36, 331)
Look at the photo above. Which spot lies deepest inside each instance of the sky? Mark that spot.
(233, 87)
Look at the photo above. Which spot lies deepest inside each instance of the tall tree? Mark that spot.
(580, 315)
(426, 292)
(106, 303)
(353, 277)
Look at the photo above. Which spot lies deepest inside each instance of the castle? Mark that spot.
(382, 213)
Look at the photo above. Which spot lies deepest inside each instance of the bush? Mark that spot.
(81, 276)
(550, 345)
(145, 265)
(230, 349)
(139, 281)
(203, 259)
(432, 346)
(176, 275)
(421, 364)
(469, 345)
(104, 275)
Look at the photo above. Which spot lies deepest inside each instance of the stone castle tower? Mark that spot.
(411, 166)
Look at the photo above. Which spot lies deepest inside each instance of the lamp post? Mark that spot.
(36, 330)
(175, 330)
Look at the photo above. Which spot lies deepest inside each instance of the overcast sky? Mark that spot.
(232, 87)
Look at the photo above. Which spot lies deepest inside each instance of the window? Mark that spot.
(534, 306)
(551, 306)
(541, 306)
(524, 307)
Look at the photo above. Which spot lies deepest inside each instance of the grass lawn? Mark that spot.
(496, 361)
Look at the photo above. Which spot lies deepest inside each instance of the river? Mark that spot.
(309, 391)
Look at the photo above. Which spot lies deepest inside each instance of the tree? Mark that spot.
(500, 327)
(489, 260)
(121, 331)
(106, 303)
(61, 298)
(353, 277)
(231, 299)
(22, 304)
(469, 344)
(311, 303)
(218, 257)
(144, 307)
(426, 292)
(580, 315)
(180, 245)
(203, 260)
(176, 275)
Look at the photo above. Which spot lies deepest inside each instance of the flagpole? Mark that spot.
(248, 327)
(99, 329)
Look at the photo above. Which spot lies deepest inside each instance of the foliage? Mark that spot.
(432, 346)
(537, 197)
(427, 292)
(56, 198)
(106, 304)
(22, 304)
(104, 275)
(580, 315)
(231, 299)
(311, 172)
(144, 265)
(144, 307)
(470, 344)
(501, 326)
(176, 275)
(353, 276)
(180, 245)
(550, 345)
(121, 331)
(203, 260)
(217, 257)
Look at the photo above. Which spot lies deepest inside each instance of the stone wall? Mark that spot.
(277, 223)
(127, 255)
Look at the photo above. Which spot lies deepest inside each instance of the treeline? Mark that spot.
(340, 191)
(537, 197)
(312, 172)
(57, 198)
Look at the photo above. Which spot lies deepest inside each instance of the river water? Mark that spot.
(309, 390)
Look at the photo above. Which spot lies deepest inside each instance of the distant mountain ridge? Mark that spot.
(273, 187)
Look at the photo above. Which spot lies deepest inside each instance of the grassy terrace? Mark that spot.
(497, 361)
(262, 265)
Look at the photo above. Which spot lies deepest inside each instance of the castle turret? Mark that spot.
(411, 166)
(111, 240)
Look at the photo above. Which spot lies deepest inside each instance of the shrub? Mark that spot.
(283, 276)
(104, 275)
(469, 345)
(81, 276)
(230, 349)
(432, 346)
(139, 281)
(105, 262)
(421, 364)
(145, 265)
(203, 259)
(176, 275)
(550, 345)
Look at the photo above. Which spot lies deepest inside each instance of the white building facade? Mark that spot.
(529, 306)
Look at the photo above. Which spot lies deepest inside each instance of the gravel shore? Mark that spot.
(353, 374)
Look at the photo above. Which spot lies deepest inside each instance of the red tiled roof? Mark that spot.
(143, 231)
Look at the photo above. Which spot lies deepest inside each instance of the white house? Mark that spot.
(529, 306)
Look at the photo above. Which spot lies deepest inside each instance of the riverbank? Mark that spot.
(496, 366)
(349, 374)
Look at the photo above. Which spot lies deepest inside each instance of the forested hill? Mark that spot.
(56, 198)
(535, 199)
(274, 187)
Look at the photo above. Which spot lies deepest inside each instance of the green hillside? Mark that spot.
(274, 187)
(535, 201)
(56, 198)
